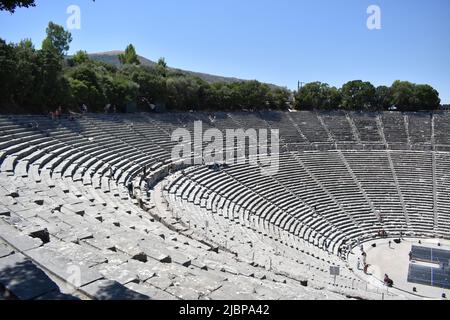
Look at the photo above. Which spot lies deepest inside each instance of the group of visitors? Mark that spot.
(109, 108)
(57, 114)
(382, 234)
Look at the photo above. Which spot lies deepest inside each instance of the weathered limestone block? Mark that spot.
(23, 278)
(111, 290)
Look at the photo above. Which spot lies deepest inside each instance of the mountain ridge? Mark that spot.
(112, 57)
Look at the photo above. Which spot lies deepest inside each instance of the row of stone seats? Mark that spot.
(414, 171)
(329, 225)
(365, 190)
(330, 171)
(226, 194)
(368, 126)
(441, 129)
(72, 157)
(372, 169)
(93, 150)
(78, 232)
(288, 201)
(290, 133)
(137, 166)
(232, 233)
(442, 194)
(339, 126)
(310, 126)
(109, 243)
(395, 130)
(304, 127)
(420, 128)
(281, 253)
(293, 174)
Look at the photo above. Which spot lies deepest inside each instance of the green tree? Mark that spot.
(52, 85)
(161, 67)
(80, 57)
(11, 5)
(58, 38)
(358, 95)
(183, 93)
(124, 91)
(402, 95)
(317, 95)
(426, 98)
(92, 82)
(280, 99)
(129, 56)
(27, 74)
(79, 92)
(152, 86)
(383, 98)
(251, 95)
(8, 71)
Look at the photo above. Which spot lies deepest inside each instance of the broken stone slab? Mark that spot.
(143, 254)
(73, 272)
(84, 255)
(115, 258)
(111, 290)
(121, 274)
(161, 283)
(38, 233)
(17, 240)
(56, 227)
(156, 254)
(180, 258)
(24, 279)
(184, 293)
(144, 271)
(202, 283)
(73, 235)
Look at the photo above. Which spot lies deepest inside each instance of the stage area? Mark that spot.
(419, 268)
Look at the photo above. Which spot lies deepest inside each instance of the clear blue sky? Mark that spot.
(277, 41)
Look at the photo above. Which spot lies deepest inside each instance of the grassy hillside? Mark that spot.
(112, 57)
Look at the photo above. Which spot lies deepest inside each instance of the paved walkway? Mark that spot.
(394, 261)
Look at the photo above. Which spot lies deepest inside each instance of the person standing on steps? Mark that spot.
(130, 188)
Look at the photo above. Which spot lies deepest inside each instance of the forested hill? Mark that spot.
(112, 57)
(39, 80)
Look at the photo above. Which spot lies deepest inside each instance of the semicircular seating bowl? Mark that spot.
(342, 177)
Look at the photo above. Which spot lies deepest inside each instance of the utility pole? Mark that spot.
(300, 85)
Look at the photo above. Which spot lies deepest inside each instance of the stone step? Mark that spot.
(111, 290)
(17, 240)
(24, 279)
